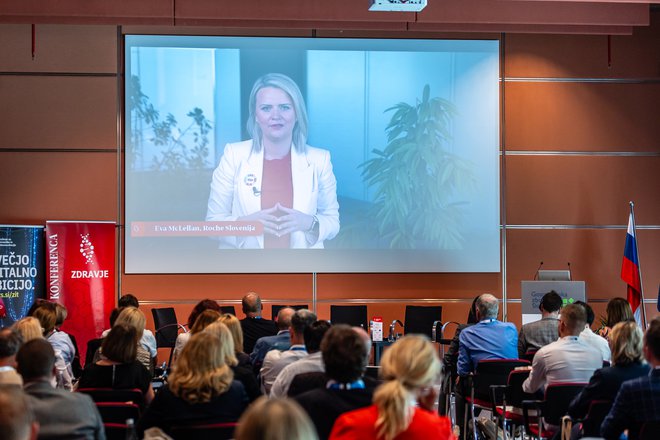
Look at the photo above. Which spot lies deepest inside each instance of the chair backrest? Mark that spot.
(514, 392)
(228, 309)
(215, 431)
(167, 327)
(355, 316)
(93, 346)
(493, 372)
(558, 397)
(115, 431)
(529, 354)
(133, 395)
(420, 319)
(118, 412)
(275, 308)
(598, 410)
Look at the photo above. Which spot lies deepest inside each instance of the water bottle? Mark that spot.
(131, 433)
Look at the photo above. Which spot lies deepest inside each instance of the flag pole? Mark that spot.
(639, 266)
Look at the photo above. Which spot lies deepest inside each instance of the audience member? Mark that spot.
(276, 360)
(254, 325)
(535, 335)
(148, 340)
(17, 420)
(133, 317)
(30, 328)
(345, 356)
(182, 338)
(638, 400)
(567, 360)
(409, 367)
(313, 362)
(234, 326)
(275, 419)
(61, 414)
(10, 342)
(242, 372)
(591, 338)
(118, 366)
(64, 342)
(201, 388)
(202, 321)
(618, 310)
(627, 363)
(281, 341)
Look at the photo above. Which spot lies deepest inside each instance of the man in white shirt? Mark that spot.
(569, 359)
(312, 363)
(276, 360)
(591, 338)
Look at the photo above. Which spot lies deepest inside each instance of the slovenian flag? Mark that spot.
(630, 271)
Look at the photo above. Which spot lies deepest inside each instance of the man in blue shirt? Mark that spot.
(487, 339)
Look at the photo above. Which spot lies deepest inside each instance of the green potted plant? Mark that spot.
(417, 180)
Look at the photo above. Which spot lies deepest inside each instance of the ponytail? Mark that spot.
(395, 409)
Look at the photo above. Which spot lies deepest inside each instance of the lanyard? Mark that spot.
(357, 385)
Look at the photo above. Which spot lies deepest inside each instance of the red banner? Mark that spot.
(80, 274)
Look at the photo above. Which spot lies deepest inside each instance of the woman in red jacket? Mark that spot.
(403, 404)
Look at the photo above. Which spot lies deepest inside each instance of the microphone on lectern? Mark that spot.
(536, 275)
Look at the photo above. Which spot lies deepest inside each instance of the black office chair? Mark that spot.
(275, 308)
(228, 309)
(355, 316)
(422, 320)
(167, 328)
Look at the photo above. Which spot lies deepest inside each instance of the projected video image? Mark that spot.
(311, 155)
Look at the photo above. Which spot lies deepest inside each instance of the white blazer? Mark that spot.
(236, 191)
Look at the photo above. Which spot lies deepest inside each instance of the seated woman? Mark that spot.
(182, 338)
(234, 326)
(203, 320)
(618, 310)
(47, 315)
(626, 342)
(275, 419)
(118, 367)
(409, 368)
(134, 317)
(201, 389)
(242, 372)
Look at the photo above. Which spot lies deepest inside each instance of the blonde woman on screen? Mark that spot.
(275, 178)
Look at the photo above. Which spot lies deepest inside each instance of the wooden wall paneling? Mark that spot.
(582, 116)
(60, 112)
(595, 256)
(580, 56)
(190, 289)
(582, 190)
(414, 285)
(58, 186)
(58, 48)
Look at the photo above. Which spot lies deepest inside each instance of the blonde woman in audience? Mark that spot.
(203, 320)
(201, 389)
(275, 419)
(133, 317)
(409, 369)
(242, 373)
(618, 310)
(31, 328)
(234, 326)
(182, 338)
(626, 342)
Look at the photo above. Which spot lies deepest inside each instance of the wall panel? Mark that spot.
(582, 116)
(60, 112)
(579, 190)
(58, 186)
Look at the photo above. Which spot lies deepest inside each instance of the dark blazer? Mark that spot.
(255, 328)
(64, 415)
(324, 406)
(638, 401)
(604, 385)
(168, 410)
